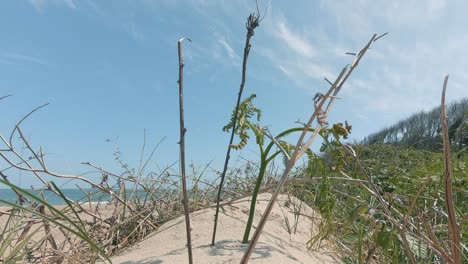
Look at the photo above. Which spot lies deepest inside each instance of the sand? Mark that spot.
(276, 245)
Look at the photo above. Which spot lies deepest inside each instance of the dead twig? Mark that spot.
(253, 21)
(182, 148)
(454, 228)
(301, 148)
(5, 96)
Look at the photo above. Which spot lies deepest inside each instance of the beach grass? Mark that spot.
(369, 219)
(34, 231)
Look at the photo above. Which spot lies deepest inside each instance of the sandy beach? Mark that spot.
(283, 240)
(276, 245)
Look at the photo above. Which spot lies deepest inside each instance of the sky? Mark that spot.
(109, 71)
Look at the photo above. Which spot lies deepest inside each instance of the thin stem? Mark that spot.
(300, 150)
(253, 202)
(252, 23)
(452, 221)
(5, 96)
(24, 118)
(264, 160)
(182, 148)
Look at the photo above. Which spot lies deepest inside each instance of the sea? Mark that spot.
(83, 195)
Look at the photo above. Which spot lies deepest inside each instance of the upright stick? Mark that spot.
(454, 228)
(182, 148)
(301, 147)
(252, 22)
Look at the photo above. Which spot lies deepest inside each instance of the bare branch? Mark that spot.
(300, 149)
(3, 97)
(182, 149)
(454, 228)
(24, 118)
(270, 136)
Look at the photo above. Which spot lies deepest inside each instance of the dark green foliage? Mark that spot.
(356, 218)
(461, 133)
(422, 130)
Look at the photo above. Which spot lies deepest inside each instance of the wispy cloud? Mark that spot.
(360, 18)
(235, 59)
(409, 77)
(436, 6)
(41, 4)
(294, 41)
(70, 3)
(96, 8)
(12, 58)
(401, 74)
(299, 59)
(301, 71)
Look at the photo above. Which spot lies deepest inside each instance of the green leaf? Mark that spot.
(384, 239)
(241, 121)
(79, 232)
(350, 260)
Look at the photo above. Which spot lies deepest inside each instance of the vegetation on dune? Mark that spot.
(411, 182)
(400, 197)
(423, 130)
(87, 231)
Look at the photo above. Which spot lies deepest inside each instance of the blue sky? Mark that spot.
(109, 70)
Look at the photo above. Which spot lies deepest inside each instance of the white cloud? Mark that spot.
(302, 73)
(230, 51)
(294, 41)
(70, 4)
(316, 71)
(286, 71)
(436, 6)
(354, 18)
(41, 4)
(300, 60)
(19, 59)
(96, 8)
(403, 72)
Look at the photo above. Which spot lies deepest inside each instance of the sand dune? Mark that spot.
(276, 245)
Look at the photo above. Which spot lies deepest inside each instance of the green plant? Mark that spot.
(302, 146)
(391, 209)
(247, 111)
(12, 248)
(253, 21)
(38, 210)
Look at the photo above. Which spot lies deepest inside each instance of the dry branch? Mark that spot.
(252, 23)
(301, 148)
(454, 228)
(182, 148)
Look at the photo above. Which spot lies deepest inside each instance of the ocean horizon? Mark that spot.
(91, 195)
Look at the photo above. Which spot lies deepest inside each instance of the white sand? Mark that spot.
(276, 245)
